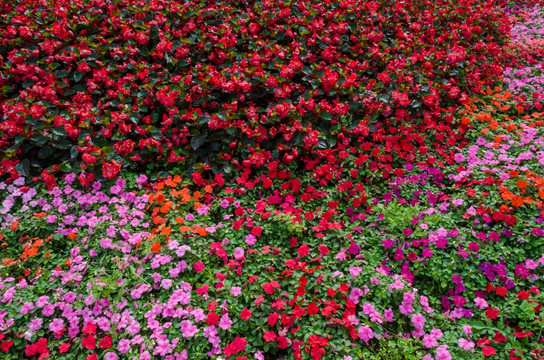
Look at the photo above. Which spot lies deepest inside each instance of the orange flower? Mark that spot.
(522, 184)
(166, 207)
(156, 247)
(14, 225)
(197, 195)
(511, 127)
(517, 201)
(170, 182)
(7, 261)
(166, 230)
(160, 198)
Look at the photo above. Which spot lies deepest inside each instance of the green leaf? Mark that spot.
(64, 144)
(78, 76)
(23, 168)
(198, 141)
(40, 139)
(28, 83)
(60, 131)
(327, 116)
(203, 120)
(45, 152)
(134, 117)
(61, 73)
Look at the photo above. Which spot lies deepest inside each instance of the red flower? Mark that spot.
(282, 342)
(303, 250)
(273, 318)
(492, 313)
(6, 345)
(523, 295)
(105, 343)
(89, 329)
(256, 231)
(488, 351)
(269, 336)
(111, 169)
(64, 347)
(499, 337)
(312, 309)
(48, 179)
(501, 291)
(212, 319)
(199, 266)
(323, 250)
(245, 314)
(89, 342)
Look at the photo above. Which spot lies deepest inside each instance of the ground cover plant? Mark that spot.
(271, 180)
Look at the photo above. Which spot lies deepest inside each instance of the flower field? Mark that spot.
(271, 180)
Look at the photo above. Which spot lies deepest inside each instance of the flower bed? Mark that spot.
(130, 83)
(314, 189)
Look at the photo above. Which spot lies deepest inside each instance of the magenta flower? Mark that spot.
(365, 333)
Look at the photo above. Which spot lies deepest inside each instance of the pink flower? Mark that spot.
(111, 356)
(225, 323)
(188, 329)
(239, 253)
(457, 202)
(56, 325)
(355, 271)
(366, 333)
(467, 329)
(429, 341)
(251, 239)
(235, 290)
(466, 344)
(419, 321)
(459, 157)
(481, 303)
(442, 353)
(27, 306)
(124, 346)
(436, 333)
(388, 313)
